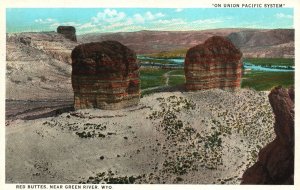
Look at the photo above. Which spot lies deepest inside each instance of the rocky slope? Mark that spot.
(253, 42)
(38, 66)
(201, 137)
(265, 43)
(157, 41)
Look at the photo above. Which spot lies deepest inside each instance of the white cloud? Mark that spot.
(175, 21)
(111, 19)
(151, 16)
(282, 15)
(44, 21)
(55, 24)
(116, 25)
(178, 10)
(86, 25)
(207, 21)
(109, 15)
(138, 18)
(148, 16)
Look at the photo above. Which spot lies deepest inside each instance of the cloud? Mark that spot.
(86, 25)
(151, 16)
(111, 20)
(109, 15)
(55, 25)
(207, 21)
(178, 10)
(44, 21)
(148, 16)
(180, 24)
(118, 25)
(138, 18)
(282, 15)
(175, 21)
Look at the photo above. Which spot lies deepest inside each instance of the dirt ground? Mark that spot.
(202, 137)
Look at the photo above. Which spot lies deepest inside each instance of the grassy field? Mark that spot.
(176, 80)
(257, 80)
(262, 81)
(151, 77)
(271, 61)
(177, 72)
(180, 53)
(176, 77)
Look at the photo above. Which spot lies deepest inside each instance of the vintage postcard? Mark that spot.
(101, 94)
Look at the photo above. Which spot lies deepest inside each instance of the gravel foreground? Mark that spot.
(205, 137)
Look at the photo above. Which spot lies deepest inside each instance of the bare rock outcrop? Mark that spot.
(68, 32)
(38, 66)
(51, 43)
(275, 163)
(216, 63)
(25, 40)
(105, 75)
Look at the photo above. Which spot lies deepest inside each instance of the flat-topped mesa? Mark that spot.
(105, 75)
(69, 32)
(216, 63)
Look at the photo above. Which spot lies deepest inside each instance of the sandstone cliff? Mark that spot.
(216, 63)
(105, 75)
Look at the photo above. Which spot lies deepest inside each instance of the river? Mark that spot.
(177, 63)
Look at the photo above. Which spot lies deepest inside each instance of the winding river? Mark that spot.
(178, 63)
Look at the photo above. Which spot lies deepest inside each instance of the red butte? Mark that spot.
(105, 75)
(216, 63)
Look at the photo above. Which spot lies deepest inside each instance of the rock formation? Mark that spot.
(275, 163)
(38, 62)
(69, 32)
(105, 75)
(214, 64)
(25, 40)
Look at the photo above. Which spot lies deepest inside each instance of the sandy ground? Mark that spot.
(191, 137)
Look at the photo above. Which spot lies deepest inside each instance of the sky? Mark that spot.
(102, 20)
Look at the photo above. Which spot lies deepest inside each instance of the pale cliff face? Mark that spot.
(38, 66)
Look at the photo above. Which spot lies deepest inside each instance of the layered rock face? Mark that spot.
(69, 32)
(216, 63)
(275, 163)
(105, 75)
(38, 66)
(51, 43)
